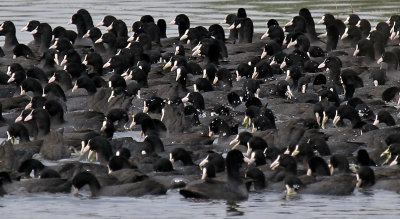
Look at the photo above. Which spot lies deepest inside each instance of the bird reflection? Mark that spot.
(233, 209)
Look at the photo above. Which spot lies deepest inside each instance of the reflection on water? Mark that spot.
(172, 205)
(292, 197)
(233, 209)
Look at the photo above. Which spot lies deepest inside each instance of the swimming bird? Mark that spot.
(233, 189)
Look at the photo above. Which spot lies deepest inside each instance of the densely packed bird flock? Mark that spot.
(220, 117)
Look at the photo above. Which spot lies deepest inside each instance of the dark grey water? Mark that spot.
(207, 12)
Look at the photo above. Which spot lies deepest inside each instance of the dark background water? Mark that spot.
(359, 205)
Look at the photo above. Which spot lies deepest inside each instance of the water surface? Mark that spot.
(381, 204)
